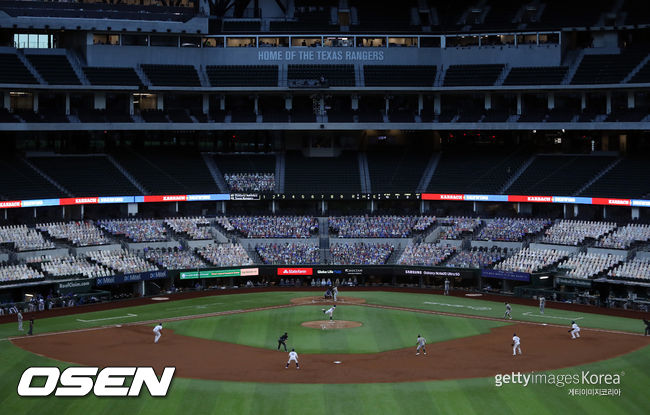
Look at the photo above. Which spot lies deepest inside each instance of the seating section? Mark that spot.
(638, 268)
(55, 69)
(335, 75)
(382, 19)
(642, 76)
(225, 255)
(20, 238)
(169, 173)
(360, 253)
(586, 265)
(476, 258)
(136, 230)
(393, 172)
(243, 75)
(241, 26)
(511, 230)
(543, 75)
(456, 227)
(399, 75)
(558, 175)
(625, 237)
(576, 232)
(474, 173)
(623, 180)
(75, 233)
(530, 261)
(308, 18)
(577, 13)
(322, 174)
(472, 75)
(377, 226)
(245, 163)
(425, 254)
(19, 181)
(112, 76)
(121, 261)
(88, 10)
(172, 75)
(271, 226)
(197, 228)
(175, 258)
(19, 273)
(86, 176)
(13, 71)
(288, 253)
(607, 69)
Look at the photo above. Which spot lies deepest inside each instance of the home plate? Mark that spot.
(337, 362)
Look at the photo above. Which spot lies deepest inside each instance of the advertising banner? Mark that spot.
(74, 286)
(505, 275)
(140, 276)
(220, 273)
(295, 271)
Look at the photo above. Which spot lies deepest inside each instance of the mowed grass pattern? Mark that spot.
(382, 329)
(469, 396)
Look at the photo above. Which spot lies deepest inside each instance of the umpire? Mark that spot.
(282, 341)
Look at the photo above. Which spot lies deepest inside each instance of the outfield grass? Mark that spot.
(382, 329)
(468, 396)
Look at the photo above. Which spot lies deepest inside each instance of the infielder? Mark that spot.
(20, 321)
(329, 311)
(293, 357)
(574, 330)
(647, 327)
(446, 286)
(508, 311)
(157, 330)
(421, 342)
(542, 304)
(282, 341)
(516, 344)
(335, 292)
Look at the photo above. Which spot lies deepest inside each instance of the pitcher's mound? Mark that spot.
(322, 301)
(331, 324)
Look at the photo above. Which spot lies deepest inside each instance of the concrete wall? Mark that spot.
(605, 251)
(152, 245)
(499, 244)
(52, 252)
(570, 249)
(84, 249)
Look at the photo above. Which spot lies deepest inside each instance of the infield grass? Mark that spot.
(468, 396)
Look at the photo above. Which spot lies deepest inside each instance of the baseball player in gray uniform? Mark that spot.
(542, 304)
(20, 320)
(508, 311)
(516, 344)
(293, 357)
(421, 342)
(446, 286)
(157, 330)
(330, 311)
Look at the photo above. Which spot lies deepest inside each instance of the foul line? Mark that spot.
(107, 318)
(250, 310)
(140, 323)
(533, 323)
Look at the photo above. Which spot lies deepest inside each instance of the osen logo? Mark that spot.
(80, 381)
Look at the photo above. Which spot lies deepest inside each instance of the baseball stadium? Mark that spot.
(324, 207)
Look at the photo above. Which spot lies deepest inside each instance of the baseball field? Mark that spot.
(224, 348)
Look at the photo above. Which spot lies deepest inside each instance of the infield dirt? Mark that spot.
(544, 348)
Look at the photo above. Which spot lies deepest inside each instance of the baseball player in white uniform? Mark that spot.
(293, 357)
(330, 311)
(575, 330)
(421, 342)
(335, 293)
(20, 321)
(516, 344)
(508, 311)
(157, 330)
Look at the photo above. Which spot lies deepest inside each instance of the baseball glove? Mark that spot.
(513, 345)
(569, 331)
